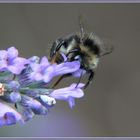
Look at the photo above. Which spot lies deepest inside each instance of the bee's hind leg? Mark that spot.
(16, 106)
(79, 79)
(90, 78)
(63, 76)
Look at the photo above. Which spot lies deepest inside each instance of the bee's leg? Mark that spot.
(58, 47)
(63, 76)
(16, 106)
(79, 79)
(91, 76)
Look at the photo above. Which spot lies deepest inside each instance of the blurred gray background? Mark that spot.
(111, 105)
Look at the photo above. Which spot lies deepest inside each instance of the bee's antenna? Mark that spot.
(81, 28)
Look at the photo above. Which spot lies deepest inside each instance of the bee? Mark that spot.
(87, 48)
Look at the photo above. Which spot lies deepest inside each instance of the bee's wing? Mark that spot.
(106, 47)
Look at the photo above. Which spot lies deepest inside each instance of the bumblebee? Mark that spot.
(87, 48)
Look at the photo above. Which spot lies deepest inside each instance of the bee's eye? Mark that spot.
(65, 45)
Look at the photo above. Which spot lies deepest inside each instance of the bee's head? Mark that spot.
(64, 45)
(54, 47)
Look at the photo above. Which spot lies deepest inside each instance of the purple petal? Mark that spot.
(34, 59)
(63, 68)
(8, 115)
(9, 118)
(44, 62)
(72, 91)
(16, 69)
(35, 67)
(14, 85)
(49, 73)
(71, 102)
(35, 105)
(36, 76)
(12, 52)
(68, 93)
(20, 61)
(78, 73)
(64, 57)
(80, 85)
(15, 97)
(27, 114)
(17, 65)
(3, 55)
(2, 122)
(3, 64)
(67, 67)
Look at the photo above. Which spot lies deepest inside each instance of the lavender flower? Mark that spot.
(46, 71)
(24, 84)
(78, 73)
(9, 60)
(69, 93)
(8, 115)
